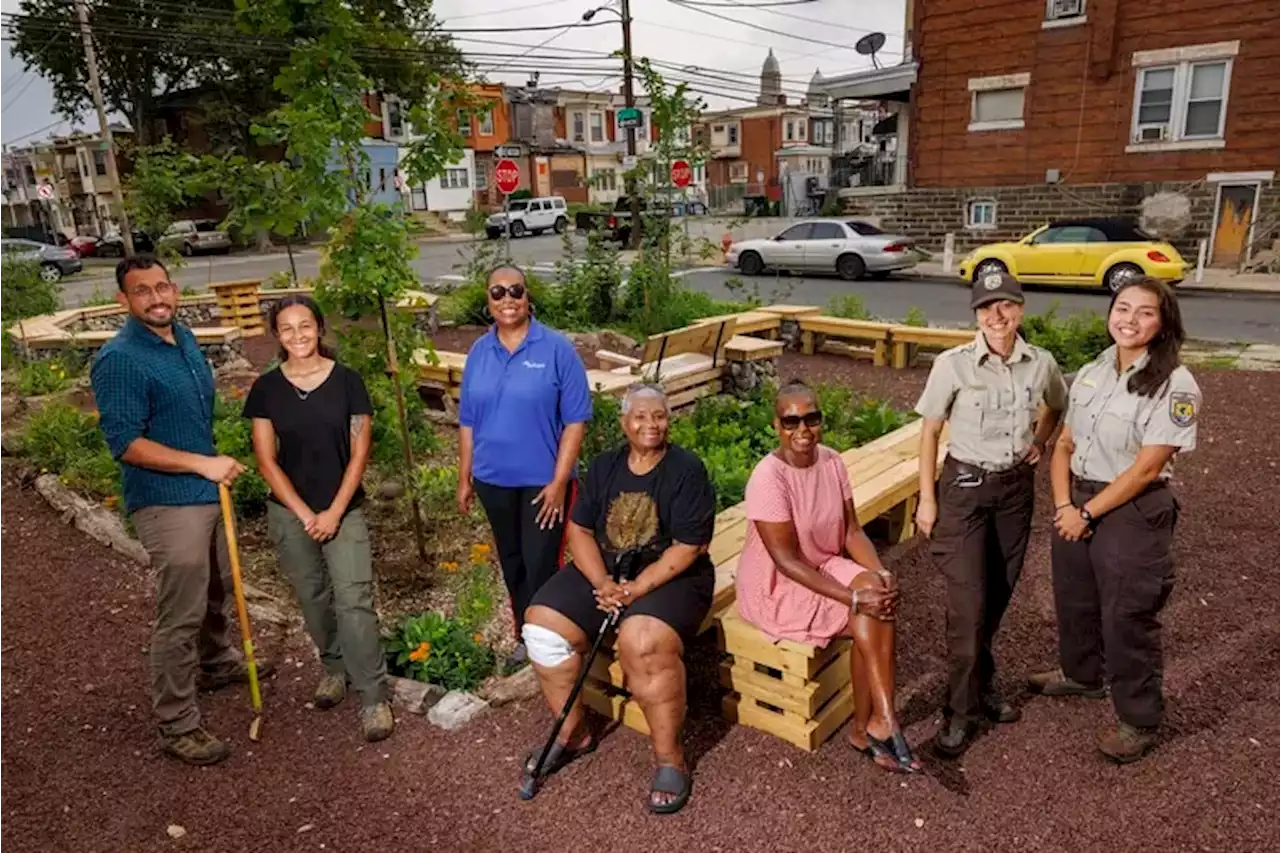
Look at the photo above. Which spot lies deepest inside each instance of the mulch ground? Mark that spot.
(82, 774)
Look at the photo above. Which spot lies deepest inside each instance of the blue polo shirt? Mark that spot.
(518, 404)
(147, 388)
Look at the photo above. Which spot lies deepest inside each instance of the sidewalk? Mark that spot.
(1214, 279)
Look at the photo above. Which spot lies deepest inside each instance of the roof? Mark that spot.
(1116, 229)
(771, 64)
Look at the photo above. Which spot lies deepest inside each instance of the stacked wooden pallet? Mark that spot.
(239, 305)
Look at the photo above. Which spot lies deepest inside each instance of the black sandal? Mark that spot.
(670, 780)
(559, 757)
(896, 749)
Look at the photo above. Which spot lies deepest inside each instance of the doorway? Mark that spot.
(1233, 223)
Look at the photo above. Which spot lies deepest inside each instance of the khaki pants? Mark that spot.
(189, 555)
(334, 584)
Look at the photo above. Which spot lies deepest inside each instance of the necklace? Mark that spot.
(303, 395)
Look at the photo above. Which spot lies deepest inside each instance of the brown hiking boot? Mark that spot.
(196, 747)
(234, 673)
(377, 722)
(1055, 683)
(1126, 743)
(331, 690)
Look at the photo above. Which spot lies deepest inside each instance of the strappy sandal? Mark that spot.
(559, 757)
(895, 749)
(670, 780)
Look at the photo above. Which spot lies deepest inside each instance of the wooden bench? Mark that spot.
(707, 338)
(908, 340)
(240, 305)
(765, 323)
(746, 348)
(877, 334)
(790, 312)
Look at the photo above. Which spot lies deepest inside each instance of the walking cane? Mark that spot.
(233, 549)
(529, 784)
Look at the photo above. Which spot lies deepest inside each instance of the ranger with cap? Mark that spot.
(1131, 411)
(1003, 398)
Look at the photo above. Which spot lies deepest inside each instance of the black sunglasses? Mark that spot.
(809, 419)
(497, 292)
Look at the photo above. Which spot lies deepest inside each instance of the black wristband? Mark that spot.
(1087, 516)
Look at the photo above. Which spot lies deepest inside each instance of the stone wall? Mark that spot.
(194, 314)
(928, 214)
(217, 354)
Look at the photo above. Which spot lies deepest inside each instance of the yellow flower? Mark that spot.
(421, 653)
(110, 501)
(477, 637)
(449, 567)
(479, 553)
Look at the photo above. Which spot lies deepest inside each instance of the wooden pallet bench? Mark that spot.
(239, 304)
(839, 328)
(759, 322)
(909, 340)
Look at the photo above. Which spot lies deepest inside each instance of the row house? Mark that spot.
(767, 152)
(1165, 114)
(59, 187)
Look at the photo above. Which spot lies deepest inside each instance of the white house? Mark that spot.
(451, 194)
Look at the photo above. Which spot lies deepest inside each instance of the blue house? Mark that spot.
(383, 159)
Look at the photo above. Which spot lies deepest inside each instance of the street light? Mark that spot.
(591, 13)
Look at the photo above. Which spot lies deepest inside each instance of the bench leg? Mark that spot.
(899, 354)
(806, 343)
(881, 357)
(902, 520)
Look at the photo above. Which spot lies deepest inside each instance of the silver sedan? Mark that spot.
(848, 248)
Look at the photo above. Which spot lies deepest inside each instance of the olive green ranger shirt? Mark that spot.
(991, 403)
(1110, 424)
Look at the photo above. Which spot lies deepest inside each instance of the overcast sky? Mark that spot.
(726, 53)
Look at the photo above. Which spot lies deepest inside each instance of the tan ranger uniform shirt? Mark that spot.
(991, 404)
(1110, 424)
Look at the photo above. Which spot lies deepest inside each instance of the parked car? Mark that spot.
(530, 216)
(617, 222)
(54, 261)
(190, 236)
(1090, 252)
(848, 248)
(112, 245)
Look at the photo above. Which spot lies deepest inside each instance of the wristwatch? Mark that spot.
(1087, 516)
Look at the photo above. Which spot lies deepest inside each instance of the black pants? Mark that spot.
(529, 555)
(980, 540)
(1109, 590)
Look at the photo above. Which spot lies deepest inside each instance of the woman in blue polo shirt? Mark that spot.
(523, 413)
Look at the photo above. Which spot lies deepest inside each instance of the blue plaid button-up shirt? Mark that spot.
(147, 388)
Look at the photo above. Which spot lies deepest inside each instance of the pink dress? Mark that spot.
(813, 499)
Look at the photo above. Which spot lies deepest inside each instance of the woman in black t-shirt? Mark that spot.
(648, 507)
(312, 436)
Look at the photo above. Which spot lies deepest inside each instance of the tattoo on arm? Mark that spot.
(357, 424)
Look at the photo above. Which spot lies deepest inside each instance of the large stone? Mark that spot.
(456, 709)
(416, 697)
(523, 685)
(91, 518)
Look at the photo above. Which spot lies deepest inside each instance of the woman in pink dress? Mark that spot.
(808, 573)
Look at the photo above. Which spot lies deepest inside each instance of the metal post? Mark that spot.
(948, 252)
(1204, 245)
(104, 128)
(629, 94)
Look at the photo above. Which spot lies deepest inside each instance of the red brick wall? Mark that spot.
(1079, 104)
(760, 137)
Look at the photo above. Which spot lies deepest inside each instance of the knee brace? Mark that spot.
(545, 647)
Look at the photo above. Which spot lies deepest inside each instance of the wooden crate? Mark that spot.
(800, 693)
(239, 304)
(605, 692)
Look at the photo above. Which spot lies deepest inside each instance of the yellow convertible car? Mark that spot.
(1091, 252)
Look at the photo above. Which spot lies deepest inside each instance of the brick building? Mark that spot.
(1017, 111)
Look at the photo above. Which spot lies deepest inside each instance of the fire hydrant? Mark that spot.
(725, 242)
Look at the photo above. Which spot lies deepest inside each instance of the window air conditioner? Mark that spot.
(1065, 9)
(1152, 133)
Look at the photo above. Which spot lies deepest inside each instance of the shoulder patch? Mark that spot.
(1182, 408)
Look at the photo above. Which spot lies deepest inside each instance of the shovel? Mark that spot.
(233, 549)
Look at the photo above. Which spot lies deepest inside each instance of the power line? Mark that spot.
(57, 123)
(758, 27)
(792, 15)
(522, 8)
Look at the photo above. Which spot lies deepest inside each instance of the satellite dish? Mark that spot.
(869, 44)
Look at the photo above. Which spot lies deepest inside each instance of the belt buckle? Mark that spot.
(968, 476)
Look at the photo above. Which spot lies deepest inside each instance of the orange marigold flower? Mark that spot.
(421, 653)
(477, 637)
(450, 567)
(479, 552)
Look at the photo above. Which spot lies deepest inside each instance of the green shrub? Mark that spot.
(46, 377)
(66, 441)
(233, 436)
(476, 591)
(915, 317)
(588, 291)
(605, 431)
(24, 294)
(441, 650)
(436, 488)
(849, 306)
(1074, 341)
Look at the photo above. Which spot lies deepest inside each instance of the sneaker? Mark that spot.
(1126, 743)
(233, 673)
(997, 710)
(377, 722)
(331, 690)
(1055, 683)
(955, 736)
(196, 747)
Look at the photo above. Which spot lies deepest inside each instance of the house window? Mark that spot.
(606, 180)
(1187, 101)
(482, 178)
(597, 127)
(802, 129)
(738, 173)
(464, 123)
(485, 123)
(454, 179)
(395, 120)
(733, 134)
(1063, 12)
(85, 171)
(998, 101)
(980, 214)
(579, 127)
(100, 163)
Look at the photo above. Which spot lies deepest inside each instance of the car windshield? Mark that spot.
(519, 205)
(207, 225)
(863, 228)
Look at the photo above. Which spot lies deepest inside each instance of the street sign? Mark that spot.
(506, 175)
(628, 162)
(681, 173)
(630, 117)
(45, 191)
(508, 151)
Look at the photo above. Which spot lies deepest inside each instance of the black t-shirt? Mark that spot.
(313, 430)
(674, 501)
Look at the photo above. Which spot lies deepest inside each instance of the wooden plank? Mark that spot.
(840, 327)
(748, 322)
(808, 735)
(684, 398)
(743, 348)
(743, 677)
(607, 670)
(692, 380)
(790, 310)
(616, 707)
(613, 360)
(927, 336)
(705, 338)
(672, 368)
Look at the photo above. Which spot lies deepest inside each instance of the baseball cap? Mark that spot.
(994, 286)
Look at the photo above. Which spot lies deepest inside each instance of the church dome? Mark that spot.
(771, 64)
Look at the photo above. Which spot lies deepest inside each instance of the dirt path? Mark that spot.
(81, 772)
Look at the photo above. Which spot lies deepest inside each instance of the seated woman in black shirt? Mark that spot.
(653, 498)
(312, 436)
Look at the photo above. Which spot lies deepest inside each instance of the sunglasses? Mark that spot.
(497, 292)
(809, 419)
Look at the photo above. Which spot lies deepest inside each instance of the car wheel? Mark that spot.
(50, 273)
(750, 263)
(1119, 274)
(517, 229)
(561, 225)
(851, 267)
(492, 233)
(988, 267)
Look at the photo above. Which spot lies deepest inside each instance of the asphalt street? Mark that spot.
(1207, 315)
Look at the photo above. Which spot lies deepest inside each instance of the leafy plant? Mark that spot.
(1074, 341)
(441, 650)
(915, 317)
(45, 377)
(849, 306)
(604, 432)
(436, 488)
(24, 294)
(62, 439)
(233, 436)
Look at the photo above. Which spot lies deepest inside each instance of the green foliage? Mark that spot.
(266, 197)
(588, 290)
(849, 306)
(100, 297)
(233, 436)
(441, 650)
(436, 487)
(1074, 341)
(832, 206)
(47, 376)
(605, 431)
(62, 439)
(24, 294)
(163, 179)
(915, 317)
(388, 452)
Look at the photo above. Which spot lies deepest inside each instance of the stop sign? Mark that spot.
(507, 176)
(681, 173)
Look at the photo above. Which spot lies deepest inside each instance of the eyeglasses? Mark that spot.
(498, 292)
(162, 289)
(809, 419)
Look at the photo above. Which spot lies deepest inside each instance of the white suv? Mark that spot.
(530, 216)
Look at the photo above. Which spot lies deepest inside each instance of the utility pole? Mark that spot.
(629, 94)
(104, 128)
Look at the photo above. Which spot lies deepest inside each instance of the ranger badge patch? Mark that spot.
(992, 281)
(1182, 408)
